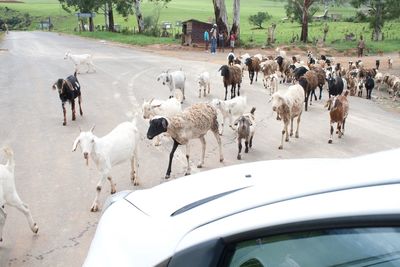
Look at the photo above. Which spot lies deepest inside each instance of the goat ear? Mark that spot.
(151, 100)
(54, 87)
(164, 124)
(91, 129)
(74, 146)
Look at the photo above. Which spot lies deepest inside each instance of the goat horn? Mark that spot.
(151, 100)
(91, 129)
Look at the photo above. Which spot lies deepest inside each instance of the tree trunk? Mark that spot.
(139, 16)
(91, 25)
(304, 24)
(377, 33)
(110, 14)
(221, 17)
(236, 17)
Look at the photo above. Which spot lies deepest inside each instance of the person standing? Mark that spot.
(232, 39)
(6, 27)
(214, 39)
(206, 39)
(221, 41)
(361, 47)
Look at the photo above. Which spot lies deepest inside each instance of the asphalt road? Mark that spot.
(57, 185)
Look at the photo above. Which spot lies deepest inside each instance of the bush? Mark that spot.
(259, 18)
(14, 19)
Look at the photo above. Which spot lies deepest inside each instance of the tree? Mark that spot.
(83, 7)
(379, 11)
(258, 19)
(294, 10)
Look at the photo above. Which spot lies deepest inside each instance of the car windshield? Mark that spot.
(334, 247)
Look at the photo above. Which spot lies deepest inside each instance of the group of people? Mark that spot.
(213, 36)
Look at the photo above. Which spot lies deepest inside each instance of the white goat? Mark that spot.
(174, 80)
(245, 129)
(271, 82)
(112, 149)
(289, 106)
(84, 59)
(156, 107)
(9, 195)
(204, 83)
(234, 107)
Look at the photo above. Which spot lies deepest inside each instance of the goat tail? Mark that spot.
(10, 158)
(253, 110)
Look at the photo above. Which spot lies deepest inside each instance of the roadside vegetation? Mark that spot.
(287, 30)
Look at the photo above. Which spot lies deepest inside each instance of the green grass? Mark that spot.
(181, 10)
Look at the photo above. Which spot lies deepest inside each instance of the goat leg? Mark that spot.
(239, 157)
(171, 156)
(65, 114)
(331, 136)
(73, 109)
(80, 105)
(251, 141)
(16, 202)
(226, 91)
(298, 125)
(215, 132)
(135, 167)
(246, 143)
(95, 205)
(112, 184)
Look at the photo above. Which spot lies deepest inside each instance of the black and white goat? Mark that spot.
(69, 89)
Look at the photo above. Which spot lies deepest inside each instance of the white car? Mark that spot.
(304, 212)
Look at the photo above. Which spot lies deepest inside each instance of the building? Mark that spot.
(193, 32)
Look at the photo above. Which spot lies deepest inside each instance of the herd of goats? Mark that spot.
(167, 116)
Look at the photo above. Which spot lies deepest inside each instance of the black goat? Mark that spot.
(369, 85)
(69, 89)
(335, 85)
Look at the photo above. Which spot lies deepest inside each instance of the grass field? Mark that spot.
(181, 10)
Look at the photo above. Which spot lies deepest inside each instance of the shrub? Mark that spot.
(259, 18)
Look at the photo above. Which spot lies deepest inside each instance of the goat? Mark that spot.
(231, 58)
(390, 63)
(253, 65)
(369, 85)
(174, 80)
(289, 106)
(84, 59)
(309, 82)
(194, 122)
(9, 195)
(156, 107)
(271, 83)
(204, 82)
(118, 146)
(69, 89)
(335, 86)
(245, 130)
(229, 108)
(338, 107)
(283, 67)
(394, 84)
(232, 76)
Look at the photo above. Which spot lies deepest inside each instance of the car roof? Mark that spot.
(259, 183)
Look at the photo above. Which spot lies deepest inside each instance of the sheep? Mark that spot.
(69, 89)
(232, 76)
(321, 75)
(204, 83)
(152, 108)
(245, 129)
(269, 67)
(194, 122)
(289, 106)
(309, 82)
(118, 146)
(174, 80)
(338, 107)
(9, 195)
(84, 59)
(229, 108)
(271, 83)
(253, 65)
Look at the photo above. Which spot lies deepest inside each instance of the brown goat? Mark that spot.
(309, 82)
(338, 107)
(253, 65)
(232, 76)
